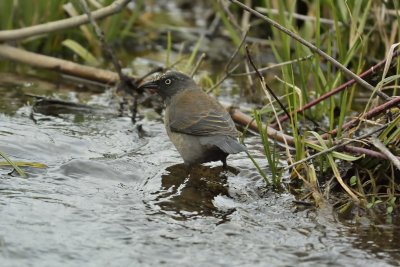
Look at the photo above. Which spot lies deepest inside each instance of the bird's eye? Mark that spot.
(167, 81)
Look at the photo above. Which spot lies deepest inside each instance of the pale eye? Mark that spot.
(168, 81)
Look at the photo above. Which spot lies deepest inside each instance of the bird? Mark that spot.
(197, 124)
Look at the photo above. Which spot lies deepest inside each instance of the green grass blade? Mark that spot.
(20, 171)
(81, 51)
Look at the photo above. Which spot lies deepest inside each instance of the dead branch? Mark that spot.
(12, 35)
(60, 65)
(345, 146)
(245, 120)
(370, 114)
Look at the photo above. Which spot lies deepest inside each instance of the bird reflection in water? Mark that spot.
(191, 193)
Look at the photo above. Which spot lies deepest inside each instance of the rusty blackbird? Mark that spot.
(199, 127)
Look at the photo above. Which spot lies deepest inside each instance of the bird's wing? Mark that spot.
(196, 113)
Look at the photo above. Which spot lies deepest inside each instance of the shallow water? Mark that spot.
(113, 195)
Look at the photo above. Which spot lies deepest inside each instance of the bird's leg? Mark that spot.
(224, 164)
(188, 167)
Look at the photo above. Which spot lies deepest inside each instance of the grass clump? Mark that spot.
(356, 147)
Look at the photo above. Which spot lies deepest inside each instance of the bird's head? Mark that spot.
(169, 84)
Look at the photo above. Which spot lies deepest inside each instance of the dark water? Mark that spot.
(114, 196)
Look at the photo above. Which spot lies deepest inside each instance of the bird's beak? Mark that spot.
(149, 85)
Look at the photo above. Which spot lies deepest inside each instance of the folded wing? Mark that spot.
(196, 113)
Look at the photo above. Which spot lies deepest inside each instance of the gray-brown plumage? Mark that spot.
(199, 127)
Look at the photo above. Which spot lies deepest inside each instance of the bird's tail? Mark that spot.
(228, 144)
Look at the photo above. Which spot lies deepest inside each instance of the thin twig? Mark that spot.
(104, 44)
(361, 150)
(158, 69)
(12, 35)
(265, 87)
(297, 16)
(245, 120)
(198, 64)
(370, 114)
(126, 82)
(313, 48)
(342, 87)
(335, 147)
(379, 145)
(231, 17)
(245, 21)
(264, 69)
(226, 75)
(263, 81)
(228, 64)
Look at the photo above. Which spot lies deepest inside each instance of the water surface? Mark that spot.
(116, 196)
